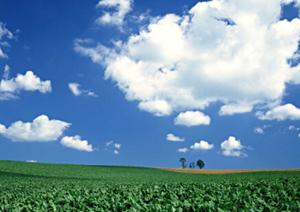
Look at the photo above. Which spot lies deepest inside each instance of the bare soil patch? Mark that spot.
(212, 171)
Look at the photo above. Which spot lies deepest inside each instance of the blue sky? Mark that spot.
(109, 82)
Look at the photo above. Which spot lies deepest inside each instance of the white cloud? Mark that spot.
(75, 142)
(96, 54)
(77, 91)
(27, 82)
(259, 130)
(174, 138)
(157, 107)
(233, 52)
(5, 35)
(31, 161)
(117, 146)
(41, 129)
(232, 147)
(232, 109)
(74, 88)
(293, 128)
(192, 118)
(281, 113)
(122, 7)
(114, 147)
(183, 150)
(202, 145)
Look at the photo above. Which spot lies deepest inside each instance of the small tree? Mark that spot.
(192, 165)
(200, 164)
(182, 161)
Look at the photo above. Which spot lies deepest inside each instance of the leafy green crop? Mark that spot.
(46, 187)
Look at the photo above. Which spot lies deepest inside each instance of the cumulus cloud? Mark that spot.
(77, 91)
(174, 138)
(232, 147)
(233, 52)
(183, 150)
(232, 109)
(281, 113)
(75, 142)
(202, 145)
(9, 88)
(41, 129)
(122, 7)
(157, 107)
(192, 118)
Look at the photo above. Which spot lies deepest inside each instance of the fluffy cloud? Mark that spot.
(74, 88)
(232, 147)
(77, 91)
(157, 107)
(41, 129)
(183, 150)
(202, 145)
(281, 113)
(174, 138)
(232, 109)
(75, 142)
(234, 52)
(5, 35)
(27, 82)
(122, 7)
(192, 118)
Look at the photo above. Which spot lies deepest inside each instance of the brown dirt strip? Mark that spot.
(204, 171)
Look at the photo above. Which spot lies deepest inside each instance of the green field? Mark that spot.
(49, 187)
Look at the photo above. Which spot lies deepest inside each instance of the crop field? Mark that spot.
(48, 187)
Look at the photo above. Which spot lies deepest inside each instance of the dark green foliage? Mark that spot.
(200, 164)
(182, 161)
(192, 165)
(45, 187)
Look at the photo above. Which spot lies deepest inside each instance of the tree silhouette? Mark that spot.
(192, 165)
(182, 161)
(200, 164)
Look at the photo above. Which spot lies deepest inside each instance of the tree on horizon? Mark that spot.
(192, 165)
(182, 161)
(200, 164)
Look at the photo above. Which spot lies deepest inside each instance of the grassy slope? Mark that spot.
(103, 174)
(49, 187)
